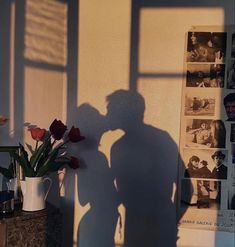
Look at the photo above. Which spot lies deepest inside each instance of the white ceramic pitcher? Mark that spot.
(34, 195)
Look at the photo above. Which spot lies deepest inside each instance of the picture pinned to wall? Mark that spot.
(231, 192)
(232, 134)
(205, 75)
(233, 152)
(207, 141)
(205, 163)
(205, 133)
(201, 194)
(199, 103)
(229, 106)
(206, 47)
(231, 74)
(233, 45)
(231, 200)
(9, 169)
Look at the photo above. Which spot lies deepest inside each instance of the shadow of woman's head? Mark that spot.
(92, 124)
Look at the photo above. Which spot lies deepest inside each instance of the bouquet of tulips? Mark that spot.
(49, 154)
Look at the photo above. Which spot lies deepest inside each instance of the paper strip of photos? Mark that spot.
(207, 142)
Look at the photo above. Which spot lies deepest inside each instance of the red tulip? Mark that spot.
(74, 135)
(37, 133)
(74, 163)
(3, 120)
(57, 129)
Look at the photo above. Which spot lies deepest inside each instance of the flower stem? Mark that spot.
(36, 145)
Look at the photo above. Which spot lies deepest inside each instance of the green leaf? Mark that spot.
(6, 173)
(38, 153)
(24, 155)
(46, 155)
(24, 163)
(46, 166)
(51, 167)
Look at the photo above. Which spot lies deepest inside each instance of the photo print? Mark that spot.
(231, 202)
(231, 74)
(201, 194)
(229, 106)
(8, 165)
(205, 75)
(233, 46)
(231, 197)
(232, 133)
(233, 175)
(199, 104)
(205, 133)
(233, 152)
(205, 163)
(206, 47)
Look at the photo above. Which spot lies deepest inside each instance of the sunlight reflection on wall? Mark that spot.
(45, 31)
(161, 64)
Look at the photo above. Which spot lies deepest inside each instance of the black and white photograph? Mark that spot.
(205, 133)
(229, 106)
(199, 104)
(233, 46)
(206, 47)
(233, 152)
(231, 74)
(231, 198)
(8, 166)
(232, 133)
(205, 163)
(231, 203)
(205, 75)
(207, 142)
(201, 194)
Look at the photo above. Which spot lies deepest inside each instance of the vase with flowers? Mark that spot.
(49, 155)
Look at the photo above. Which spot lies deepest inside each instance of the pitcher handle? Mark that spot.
(44, 179)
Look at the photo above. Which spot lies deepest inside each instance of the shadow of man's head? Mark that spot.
(125, 109)
(143, 161)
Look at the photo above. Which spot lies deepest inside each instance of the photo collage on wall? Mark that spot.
(207, 141)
